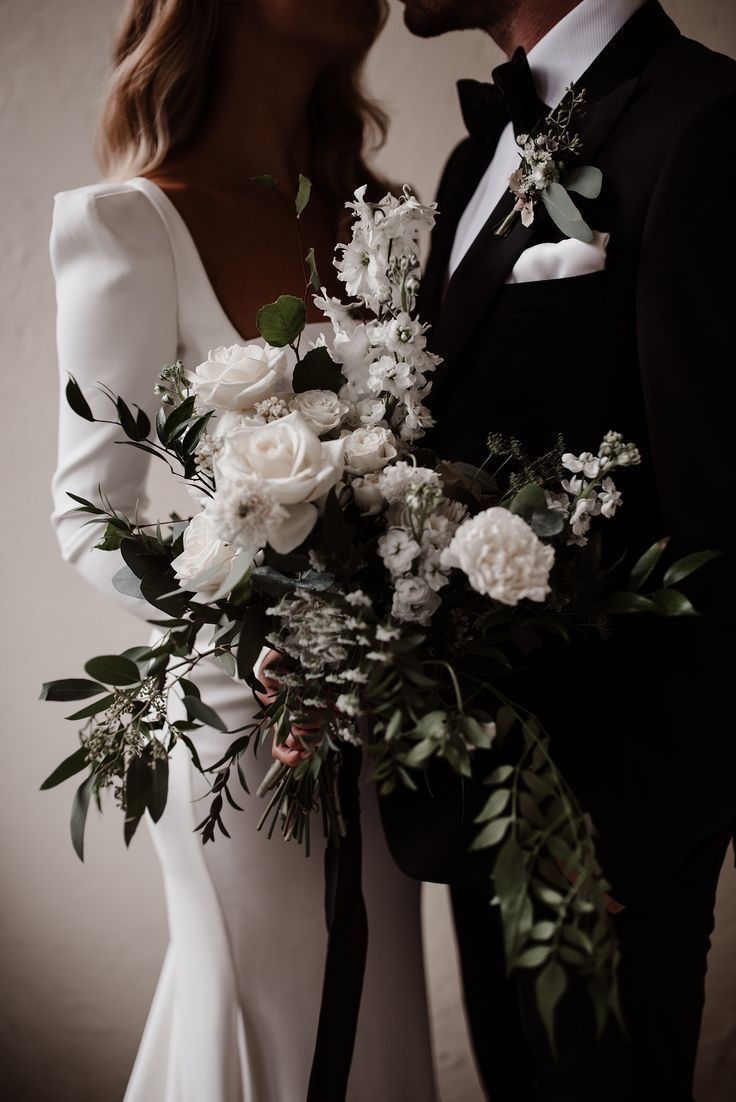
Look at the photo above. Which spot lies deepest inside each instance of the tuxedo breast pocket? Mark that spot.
(560, 260)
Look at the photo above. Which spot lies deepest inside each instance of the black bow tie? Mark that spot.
(488, 108)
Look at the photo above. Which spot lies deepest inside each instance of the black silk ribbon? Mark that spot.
(347, 946)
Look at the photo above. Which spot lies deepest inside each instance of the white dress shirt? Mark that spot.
(558, 60)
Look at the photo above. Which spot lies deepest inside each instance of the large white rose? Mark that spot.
(294, 466)
(204, 556)
(501, 556)
(321, 409)
(369, 449)
(237, 377)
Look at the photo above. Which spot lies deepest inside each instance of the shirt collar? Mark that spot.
(567, 51)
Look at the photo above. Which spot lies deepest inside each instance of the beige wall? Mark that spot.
(81, 946)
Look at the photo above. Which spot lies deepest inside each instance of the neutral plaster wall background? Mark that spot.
(80, 946)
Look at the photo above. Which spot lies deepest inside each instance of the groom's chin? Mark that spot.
(427, 18)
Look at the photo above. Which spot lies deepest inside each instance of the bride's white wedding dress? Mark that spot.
(235, 1013)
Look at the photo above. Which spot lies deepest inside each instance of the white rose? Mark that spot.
(368, 496)
(204, 556)
(237, 377)
(369, 449)
(321, 409)
(294, 466)
(501, 556)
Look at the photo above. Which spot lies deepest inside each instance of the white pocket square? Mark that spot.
(560, 260)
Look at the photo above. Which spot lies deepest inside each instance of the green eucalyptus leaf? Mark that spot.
(303, 194)
(529, 500)
(70, 688)
(643, 568)
(112, 539)
(565, 214)
(159, 792)
(127, 583)
(92, 709)
(586, 180)
(546, 523)
(113, 669)
(197, 709)
(281, 322)
(75, 763)
(265, 181)
(311, 262)
(683, 568)
(80, 806)
(76, 400)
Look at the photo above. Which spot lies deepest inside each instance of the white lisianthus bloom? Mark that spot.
(501, 556)
(367, 493)
(398, 550)
(205, 555)
(321, 409)
(414, 601)
(369, 449)
(399, 478)
(386, 374)
(585, 463)
(237, 377)
(295, 466)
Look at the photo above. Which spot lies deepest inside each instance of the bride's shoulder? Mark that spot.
(113, 213)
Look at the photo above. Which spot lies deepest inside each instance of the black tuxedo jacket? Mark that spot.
(641, 723)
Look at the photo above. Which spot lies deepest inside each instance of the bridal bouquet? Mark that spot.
(399, 587)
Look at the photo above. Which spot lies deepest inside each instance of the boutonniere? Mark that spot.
(544, 176)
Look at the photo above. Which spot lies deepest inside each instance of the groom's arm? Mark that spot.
(686, 306)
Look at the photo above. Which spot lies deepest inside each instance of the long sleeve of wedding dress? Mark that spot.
(234, 1017)
(117, 325)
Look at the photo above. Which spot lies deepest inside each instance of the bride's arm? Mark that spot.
(116, 324)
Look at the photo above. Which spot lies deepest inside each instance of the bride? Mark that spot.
(169, 257)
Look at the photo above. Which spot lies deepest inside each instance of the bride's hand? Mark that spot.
(297, 746)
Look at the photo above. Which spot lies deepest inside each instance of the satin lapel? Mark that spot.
(611, 82)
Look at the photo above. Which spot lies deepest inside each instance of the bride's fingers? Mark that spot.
(283, 754)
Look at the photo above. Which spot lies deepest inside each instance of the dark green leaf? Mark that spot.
(628, 603)
(111, 539)
(317, 371)
(550, 986)
(253, 629)
(75, 763)
(495, 805)
(178, 420)
(159, 788)
(683, 568)
(87, 506)
(265, 181)
(491, 834)
(113, 669)
(533, 957)
(646, 564)
(197, 709)
(128, 422)
(77, 401)
(281, 322)
(302, 195)
(670, 602)
(94, 708)
(70, 688)
(529, 500)
(78, 819)
(498, 776)
(313, 273)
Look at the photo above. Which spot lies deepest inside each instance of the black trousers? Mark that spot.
(663, 965)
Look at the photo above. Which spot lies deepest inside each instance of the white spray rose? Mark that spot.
(369, 449)
(368, 496)
(204, 555)
(414, 601)
(501, 556)
(295, 467)
(237, 377)
(321, 409)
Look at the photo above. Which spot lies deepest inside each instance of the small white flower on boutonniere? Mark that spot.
(546, 176)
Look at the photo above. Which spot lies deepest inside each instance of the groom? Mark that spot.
(632, 333)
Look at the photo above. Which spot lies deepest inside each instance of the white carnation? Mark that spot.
(502, 557)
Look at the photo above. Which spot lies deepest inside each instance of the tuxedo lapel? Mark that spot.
(610, 83)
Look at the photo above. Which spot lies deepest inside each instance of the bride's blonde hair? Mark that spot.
(158, 96)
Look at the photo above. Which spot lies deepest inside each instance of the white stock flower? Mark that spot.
(369, 449)
(367, 493)
(398, 550)
(295, 466)
(321, 409)
(610, 498)
(237, 377)
(501, 556)
(414, 601)
(386, 374)
(371, 411)
(204, 555)
(585, 463)
(558, 503)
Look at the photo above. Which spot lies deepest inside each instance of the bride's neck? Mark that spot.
(257, 122)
